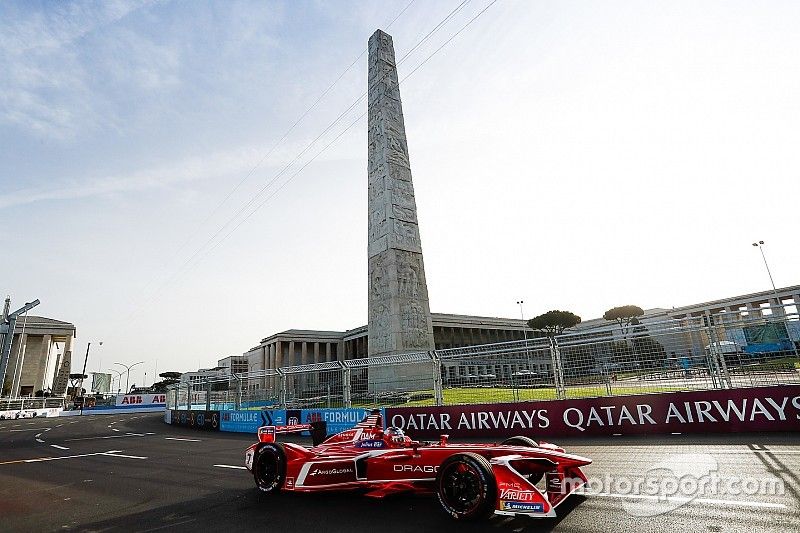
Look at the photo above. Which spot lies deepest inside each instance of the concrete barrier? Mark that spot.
(743, 410)
(249, 421)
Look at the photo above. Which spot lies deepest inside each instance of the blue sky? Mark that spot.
(577, 155)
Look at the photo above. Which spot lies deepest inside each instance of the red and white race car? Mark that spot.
(516, 477)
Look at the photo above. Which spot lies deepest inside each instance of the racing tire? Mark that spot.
(466, 487)
(526, 442)
(269, 468)
(519, 440)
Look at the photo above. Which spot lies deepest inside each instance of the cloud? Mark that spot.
(230, 166)
(49, 84)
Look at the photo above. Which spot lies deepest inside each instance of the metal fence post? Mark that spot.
(208, 396)
(558, 372)
(438, 394)
(281, 388)
(238, 404)
(346, 400)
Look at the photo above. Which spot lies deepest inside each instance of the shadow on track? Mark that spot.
(250, 510)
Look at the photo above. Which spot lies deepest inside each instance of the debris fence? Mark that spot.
(699, 353)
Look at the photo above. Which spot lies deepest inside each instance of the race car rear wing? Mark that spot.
(319, 431)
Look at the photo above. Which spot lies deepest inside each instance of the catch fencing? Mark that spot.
(720, 351)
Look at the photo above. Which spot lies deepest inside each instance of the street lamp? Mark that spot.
(128, 377)
(119, 379)
(760, 245)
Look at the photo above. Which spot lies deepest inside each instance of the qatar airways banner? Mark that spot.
(717, 411)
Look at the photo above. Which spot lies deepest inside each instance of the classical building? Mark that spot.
(299, 347)
(40, 357)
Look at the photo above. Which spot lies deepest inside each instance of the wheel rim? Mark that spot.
(462, 488)
(267, 470)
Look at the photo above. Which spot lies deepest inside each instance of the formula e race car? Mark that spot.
(472, 481)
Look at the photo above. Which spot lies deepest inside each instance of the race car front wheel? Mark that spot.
(269, 468)
(526, 442)
(466, 486)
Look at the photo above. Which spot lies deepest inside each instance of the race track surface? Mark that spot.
(132, 472)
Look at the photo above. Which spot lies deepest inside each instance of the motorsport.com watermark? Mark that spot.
(675, 482)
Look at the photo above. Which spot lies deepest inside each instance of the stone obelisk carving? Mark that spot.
(399, 312)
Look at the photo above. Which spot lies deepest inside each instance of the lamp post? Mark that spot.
(760, 245)
(119, 379)
(128, 376)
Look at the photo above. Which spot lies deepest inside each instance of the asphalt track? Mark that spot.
(134, 473)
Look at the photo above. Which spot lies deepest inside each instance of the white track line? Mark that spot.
(110, 453)
(232, 466)
(740, 503)
(111, 437)
(59, 447)
(184, 440)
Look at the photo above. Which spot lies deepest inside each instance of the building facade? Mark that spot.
(40, 357)
(300, 347)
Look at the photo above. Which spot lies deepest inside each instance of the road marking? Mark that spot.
(59, 447)
(172, 524)
(58, 426)
(110, 437)
(227, 466)
(110, 453)
(740, 503)
(185, 440)
(27, 429)
(113, 429)
(747, 452)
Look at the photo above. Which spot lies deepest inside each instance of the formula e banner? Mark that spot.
(250, 421)
(208, 420)
(716, 411)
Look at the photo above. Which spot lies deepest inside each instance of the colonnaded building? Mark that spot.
(298, 347)
(40, 357)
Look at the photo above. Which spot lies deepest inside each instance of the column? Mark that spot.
(327, 351)
(47, 345)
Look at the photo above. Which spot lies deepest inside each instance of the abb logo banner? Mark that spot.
(142, 399)
(713, 411)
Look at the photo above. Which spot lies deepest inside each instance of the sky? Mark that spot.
(174, 181)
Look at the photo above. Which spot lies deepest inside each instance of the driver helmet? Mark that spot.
(395, 435)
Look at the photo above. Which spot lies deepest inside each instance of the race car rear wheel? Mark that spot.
(466, 486)
(269, 468)
(527, 442)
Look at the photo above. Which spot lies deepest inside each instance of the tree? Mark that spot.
(624, 316)
(170, 378)
(554, 322)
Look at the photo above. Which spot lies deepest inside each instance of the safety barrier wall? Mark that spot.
(249, 421)
(716, 411)
(761, 409)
